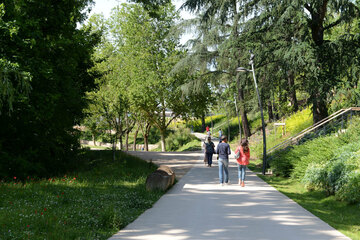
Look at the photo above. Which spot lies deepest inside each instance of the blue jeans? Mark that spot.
(241, 172)
(223, 168)
(209, 158)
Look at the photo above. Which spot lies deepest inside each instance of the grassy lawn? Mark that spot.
(93, 203)
(342, 216)
(194, 145)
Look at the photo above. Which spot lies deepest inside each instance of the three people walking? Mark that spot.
(242, 156)
(243, 151)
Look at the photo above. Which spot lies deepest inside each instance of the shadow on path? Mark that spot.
(197, 207)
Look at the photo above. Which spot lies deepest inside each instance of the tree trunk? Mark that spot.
(146, 142)
(244, 119)
(292, 91)
(136, 133)
(270, 111)
(93, 138)
(203, 123)
(146, 137)
(127, 141)
(320, 110)
(121, 143)
(113, 142)
(163, 147)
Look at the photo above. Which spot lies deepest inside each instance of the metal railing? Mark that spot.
(297, 137)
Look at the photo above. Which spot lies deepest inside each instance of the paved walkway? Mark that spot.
(197, 207)
(180, 162)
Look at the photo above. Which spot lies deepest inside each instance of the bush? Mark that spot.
(178, 138)
(333, 176)
(315, 177)
(317, 151)
(281, 162)
(350, 190)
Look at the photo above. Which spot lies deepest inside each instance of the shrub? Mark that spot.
(317, 151)
(315, 177)
(281, 162)
(299, 121)
(349, 191)
(333, 176)
(178, 138)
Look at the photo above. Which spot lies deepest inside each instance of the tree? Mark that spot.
(296, 34)
(215, 50)
(15, 83)
(148, 53)
(39, 138)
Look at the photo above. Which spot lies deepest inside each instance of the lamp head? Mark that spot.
(242, 69)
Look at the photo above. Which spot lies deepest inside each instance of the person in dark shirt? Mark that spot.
(223, 150)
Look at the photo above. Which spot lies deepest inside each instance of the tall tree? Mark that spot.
(298, 30)
(216, 48)
(39, 137)
(15, 83)
(149, 52)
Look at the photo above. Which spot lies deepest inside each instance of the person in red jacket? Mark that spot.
(242, 160)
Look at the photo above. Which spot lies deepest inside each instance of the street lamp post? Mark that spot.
(241, 69)
(237, 113)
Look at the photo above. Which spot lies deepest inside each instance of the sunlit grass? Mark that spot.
(91, 204)
(294, 124)
(194, 145)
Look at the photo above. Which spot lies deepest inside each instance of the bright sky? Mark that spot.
(105, 6)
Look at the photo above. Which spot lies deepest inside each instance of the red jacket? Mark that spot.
(244, 157)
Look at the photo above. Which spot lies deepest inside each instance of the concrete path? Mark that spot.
(197, 207)
(180, 162)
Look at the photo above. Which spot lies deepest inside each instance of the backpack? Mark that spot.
(209, 148)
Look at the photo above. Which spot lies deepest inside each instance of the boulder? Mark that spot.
(160, 179)
(169, 171)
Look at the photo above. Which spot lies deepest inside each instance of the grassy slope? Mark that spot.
(91, 204)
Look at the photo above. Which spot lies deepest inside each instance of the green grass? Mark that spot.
(341, 216)
(194, 145)
(93, 203)
(294, 124)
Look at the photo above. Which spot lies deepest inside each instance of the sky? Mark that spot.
(105, 6)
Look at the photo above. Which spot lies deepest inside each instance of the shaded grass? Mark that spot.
(94, 203)
(340, 215)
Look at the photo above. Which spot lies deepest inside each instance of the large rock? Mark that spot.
(160, 179)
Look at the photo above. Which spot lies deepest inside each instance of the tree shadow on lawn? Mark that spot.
(340, 215)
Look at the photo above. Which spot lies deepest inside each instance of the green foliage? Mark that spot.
(327, 163)
(93, 203)
(198, 125)
(349, 191)
(299, 121)
(14, 83)
(178, 139)
(282, 162)
(39, 138)
(194, 145)
(317, 151)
